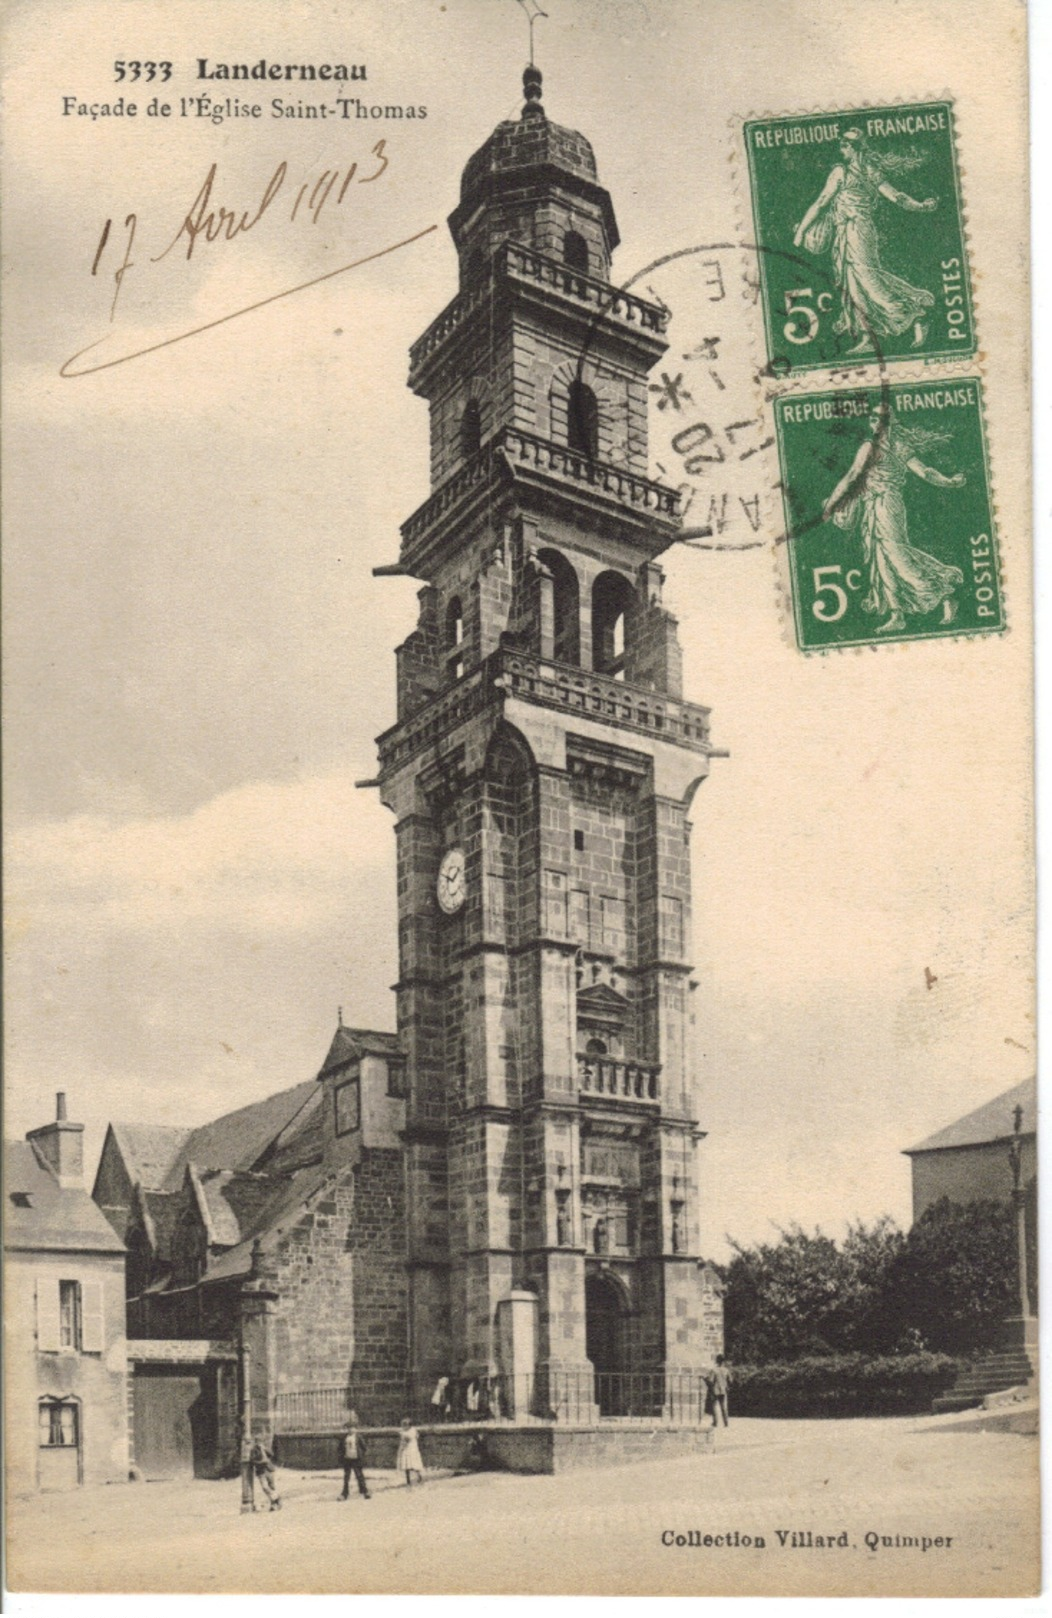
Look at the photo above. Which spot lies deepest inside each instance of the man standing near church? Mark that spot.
(352, 1453)
(719, 1380)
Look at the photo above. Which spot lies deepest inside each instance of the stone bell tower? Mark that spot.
(541, 773)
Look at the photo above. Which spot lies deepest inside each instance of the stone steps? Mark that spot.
(992, 1374)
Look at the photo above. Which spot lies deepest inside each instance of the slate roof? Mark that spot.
(149, 1150)
(991, 1122)
(299, 1143)
(42, 1215)
(238, 1203)
(162, 1208)
(349, 1044)
(237, 1139)
(290, 1199)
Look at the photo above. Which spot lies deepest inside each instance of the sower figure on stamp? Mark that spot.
(352, 1457)
(870, 498)
(843, 220)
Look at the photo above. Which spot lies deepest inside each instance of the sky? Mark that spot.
(198, 657)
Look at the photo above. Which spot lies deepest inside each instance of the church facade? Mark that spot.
(541, 775)
(530, 1133)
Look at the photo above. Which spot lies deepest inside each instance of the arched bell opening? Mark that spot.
(455, 638)
(613, 623)
(565, 608)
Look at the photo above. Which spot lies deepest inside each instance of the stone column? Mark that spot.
(517, 1351)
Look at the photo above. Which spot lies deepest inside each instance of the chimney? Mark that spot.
(61, 1145)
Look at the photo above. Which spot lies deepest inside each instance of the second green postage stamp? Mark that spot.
(889, 519)
(860, 239)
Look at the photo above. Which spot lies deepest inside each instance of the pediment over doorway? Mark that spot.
(602, 1004)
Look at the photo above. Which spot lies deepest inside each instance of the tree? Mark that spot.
(955, 1280)
(805, 1295)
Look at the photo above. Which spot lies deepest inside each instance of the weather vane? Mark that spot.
(533, 11)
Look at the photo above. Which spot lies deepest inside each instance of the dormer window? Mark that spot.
(582, 425)
(575, 251)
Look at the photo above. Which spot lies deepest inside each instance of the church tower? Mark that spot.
(541, 773)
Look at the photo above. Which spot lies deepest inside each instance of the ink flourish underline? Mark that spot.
(210, 325)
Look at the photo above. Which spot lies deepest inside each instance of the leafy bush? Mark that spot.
(843, 1385)
(948, 1285)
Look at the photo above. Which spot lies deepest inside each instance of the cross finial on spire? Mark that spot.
(533, 11)
(339, 1016)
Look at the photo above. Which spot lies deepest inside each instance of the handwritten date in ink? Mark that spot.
(207, 220)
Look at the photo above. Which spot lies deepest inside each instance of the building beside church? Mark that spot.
(968, 1161)
(506, 1188)
(65, 1385)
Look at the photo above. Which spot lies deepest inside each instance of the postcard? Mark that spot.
(519, 861)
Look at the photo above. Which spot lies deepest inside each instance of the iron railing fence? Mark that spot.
(577, 1398)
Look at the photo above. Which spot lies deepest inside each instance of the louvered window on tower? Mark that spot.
(575, 251)
(582, 426)
(470, 430)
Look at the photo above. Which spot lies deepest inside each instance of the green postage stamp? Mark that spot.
(889, 519)
(859, 236)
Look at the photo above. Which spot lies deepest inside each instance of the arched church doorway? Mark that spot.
(605, 1324)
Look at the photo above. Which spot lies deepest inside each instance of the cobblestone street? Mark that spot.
(586, 1531)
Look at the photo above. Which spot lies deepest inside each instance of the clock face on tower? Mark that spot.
(451, 884)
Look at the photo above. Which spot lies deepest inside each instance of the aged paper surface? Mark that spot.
(210, 303)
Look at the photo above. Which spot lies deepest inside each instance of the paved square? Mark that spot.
(605, 1531)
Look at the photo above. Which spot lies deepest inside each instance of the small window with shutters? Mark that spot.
(70, 1316)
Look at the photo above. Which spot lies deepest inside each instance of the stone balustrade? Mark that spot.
(560, 685)
(526, 264)
(518, 262)
(557, 461)
(628, 488)
(610, 1076)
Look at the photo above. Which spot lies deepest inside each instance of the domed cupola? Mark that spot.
(534, 182)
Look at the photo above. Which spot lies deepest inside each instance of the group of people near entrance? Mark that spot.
(470, 1398)
(258, 1459)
